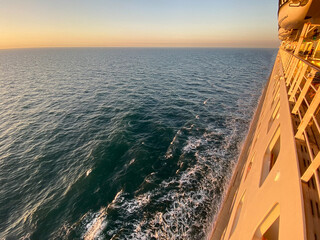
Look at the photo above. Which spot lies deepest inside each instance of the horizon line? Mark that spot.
(57, 47)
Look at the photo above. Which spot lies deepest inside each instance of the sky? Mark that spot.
(138, 23)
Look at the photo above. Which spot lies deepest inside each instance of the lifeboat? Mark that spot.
(283, 33)
(292, 13)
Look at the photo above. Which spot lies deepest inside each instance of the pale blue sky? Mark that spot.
(32, 23)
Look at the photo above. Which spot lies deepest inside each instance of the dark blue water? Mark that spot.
(121, 143)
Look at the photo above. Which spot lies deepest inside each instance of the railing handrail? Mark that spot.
(303, 60)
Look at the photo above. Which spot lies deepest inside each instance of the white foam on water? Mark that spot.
(132, 161)
(178, 221)
(196, 200)
(98, 223)
(135, 204)
(175, 137)
(192, 197)
(88, 172)
(169, 153)
(193, 144)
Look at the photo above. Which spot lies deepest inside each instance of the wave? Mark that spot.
(93, 149)
(181, 207)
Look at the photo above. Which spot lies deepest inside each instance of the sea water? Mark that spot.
(122, 143)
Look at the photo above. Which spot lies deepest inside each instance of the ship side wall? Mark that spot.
(223, 217)
(265, 191)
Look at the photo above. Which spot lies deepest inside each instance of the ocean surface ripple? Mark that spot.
(120, 143)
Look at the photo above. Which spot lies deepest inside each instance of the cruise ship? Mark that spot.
(275, 188)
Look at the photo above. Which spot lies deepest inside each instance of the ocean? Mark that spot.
(122, 143)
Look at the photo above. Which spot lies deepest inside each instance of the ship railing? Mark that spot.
(303, 81)
(307, 46)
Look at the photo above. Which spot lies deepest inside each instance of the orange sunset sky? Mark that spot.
(138, 23)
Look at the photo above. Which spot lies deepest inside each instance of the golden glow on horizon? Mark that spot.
(34, 39)
(131, 24)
